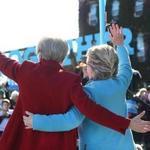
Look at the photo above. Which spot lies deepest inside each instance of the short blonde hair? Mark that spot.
(138, 147)
(14, 95)
(6, 101)
(52, 49)
(103, 61)
(141, 91)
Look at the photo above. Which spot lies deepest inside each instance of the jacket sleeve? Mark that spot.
(58, 122)
(9, 67)
(96, 112)
(124, 69)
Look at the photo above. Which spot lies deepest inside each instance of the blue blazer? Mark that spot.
(111, 94)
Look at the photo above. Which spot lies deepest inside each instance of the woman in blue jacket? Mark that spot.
(108, 84)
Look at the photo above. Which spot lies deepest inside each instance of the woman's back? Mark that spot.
(110, 94)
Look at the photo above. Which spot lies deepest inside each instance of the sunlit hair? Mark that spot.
(14, 95)
(141, 92)
(138, 147)
(52, 49)
(103, 61)
(5, 101)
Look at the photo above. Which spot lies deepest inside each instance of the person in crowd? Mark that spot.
(142, 97)
(107, 87)
(132, 107)
(13, 99)
(2, 96)
(136, 81)
(148, 88)
(83, 72)
(3, 86)
(141, 94)
(139, 147)
(5, 114)
(148, 94)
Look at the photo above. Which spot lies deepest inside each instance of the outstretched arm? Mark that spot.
(9, 67)
(47, 124)
(124, 68)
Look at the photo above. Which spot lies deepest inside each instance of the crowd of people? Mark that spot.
(8, 99)
(52, 104)
(138, 101)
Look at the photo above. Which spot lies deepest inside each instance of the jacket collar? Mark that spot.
(51, 63)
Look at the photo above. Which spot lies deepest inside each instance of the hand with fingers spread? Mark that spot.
(139, 125)
(116, 34)
(27, 119)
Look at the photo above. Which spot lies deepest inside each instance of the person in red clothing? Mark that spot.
(47, 88)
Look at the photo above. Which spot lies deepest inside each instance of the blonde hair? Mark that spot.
(138, 147)
(140, 92)
(52, 49)
(5, 101)
(103, 61)
(14, 95)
